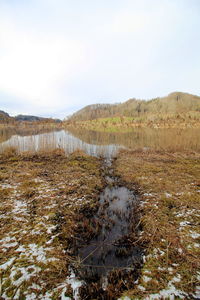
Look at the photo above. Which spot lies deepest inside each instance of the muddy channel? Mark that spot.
(108, 262)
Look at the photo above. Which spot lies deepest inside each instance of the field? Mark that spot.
(42, 197)
(170, 196)
(47, 198)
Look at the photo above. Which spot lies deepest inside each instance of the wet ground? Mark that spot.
(110, 255)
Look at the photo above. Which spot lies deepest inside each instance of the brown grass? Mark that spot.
(9, 152)
(39, 206)
(169, 189)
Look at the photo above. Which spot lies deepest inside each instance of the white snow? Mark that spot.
(7, 264)
(20, 207)
(25, 275)
(194, 235)
(9, 245)
(32, 296)
(63, 297)
(6, 186)
(168, 195)
(180, 251)
(8, 242)
(75, 284)
(20, 249)
(146, 278)
(184, 223)
(170, 292)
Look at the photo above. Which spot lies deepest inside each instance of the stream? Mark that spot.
(110, 261)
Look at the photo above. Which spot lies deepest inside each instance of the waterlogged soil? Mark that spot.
(54, 210)
(111, 258)
(65, 219)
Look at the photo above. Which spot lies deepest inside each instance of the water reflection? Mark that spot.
(7, 133)
(58, 139)
(168, 139)
(102, 143)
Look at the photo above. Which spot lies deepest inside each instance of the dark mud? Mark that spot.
(109, 258)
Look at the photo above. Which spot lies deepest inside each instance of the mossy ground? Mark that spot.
(169, 188)
(41, 197)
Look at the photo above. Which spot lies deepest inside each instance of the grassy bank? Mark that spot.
(42, 196)
(170, 201)
(126, 124)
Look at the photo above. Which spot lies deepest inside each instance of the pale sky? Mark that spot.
(57, 56)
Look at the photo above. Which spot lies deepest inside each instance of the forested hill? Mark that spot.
(34, 118)
(174, 103)
(6, 118)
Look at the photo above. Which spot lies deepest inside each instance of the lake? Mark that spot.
(100, 143)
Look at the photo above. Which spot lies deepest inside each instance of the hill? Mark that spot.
(28, 118)
(174, 103)
(4, 116)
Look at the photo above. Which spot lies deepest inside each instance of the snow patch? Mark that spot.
(7, 264)
(194, 235)
(168, 195)
(63, 297)
(146, 278)
(184, 223)
(75, 284)
(170, 292)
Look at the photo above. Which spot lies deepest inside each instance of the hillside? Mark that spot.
(4, 116)
(29, 118)
(174, 103)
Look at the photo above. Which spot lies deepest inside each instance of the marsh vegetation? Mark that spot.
(101, 226)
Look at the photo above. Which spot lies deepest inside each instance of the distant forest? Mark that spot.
(174, 103)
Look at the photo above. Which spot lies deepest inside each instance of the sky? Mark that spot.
(57, 56)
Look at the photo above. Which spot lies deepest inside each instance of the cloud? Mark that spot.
(33, 66)
(57, 55)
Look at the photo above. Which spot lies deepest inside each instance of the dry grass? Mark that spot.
(126, 124)
(170, 195)
(44, 197)
(41, 196)
(9, 152)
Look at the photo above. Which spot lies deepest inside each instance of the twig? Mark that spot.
(92, 252)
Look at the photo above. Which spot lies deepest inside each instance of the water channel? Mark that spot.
(110, 255)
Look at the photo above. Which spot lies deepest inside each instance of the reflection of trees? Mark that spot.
(7, 133)
(169, 139)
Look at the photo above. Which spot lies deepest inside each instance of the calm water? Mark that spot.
(101, 143)
(107, 251)
(110, 255)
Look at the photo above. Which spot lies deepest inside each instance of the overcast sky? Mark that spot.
(57, 56)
